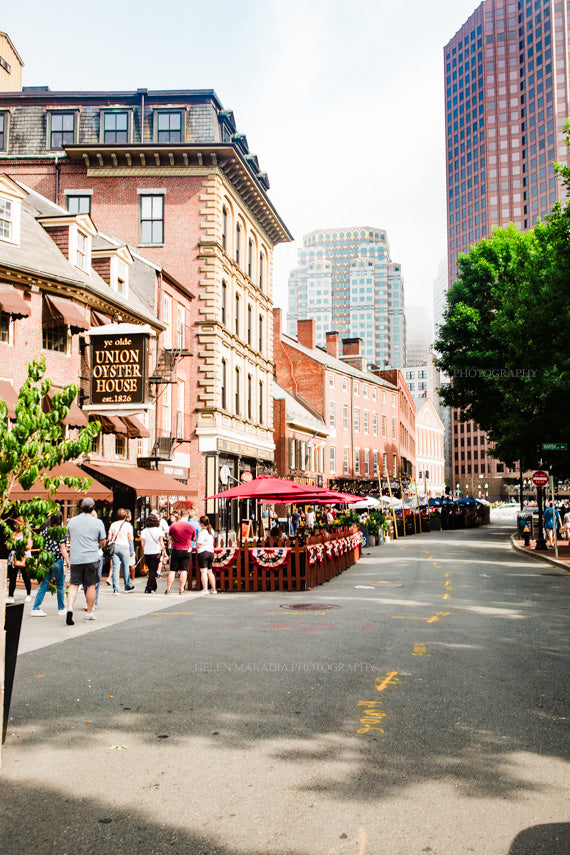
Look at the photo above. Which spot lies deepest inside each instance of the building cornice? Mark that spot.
(185, 159)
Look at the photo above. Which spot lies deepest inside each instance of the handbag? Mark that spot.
(109, 548)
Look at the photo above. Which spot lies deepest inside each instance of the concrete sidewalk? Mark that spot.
(38, 632)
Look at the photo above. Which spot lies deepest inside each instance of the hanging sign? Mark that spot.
(118, 367)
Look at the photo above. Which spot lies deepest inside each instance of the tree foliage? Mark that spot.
(505, 338)
(30, 447)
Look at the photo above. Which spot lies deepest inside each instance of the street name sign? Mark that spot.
(540, 478)
(555, 446)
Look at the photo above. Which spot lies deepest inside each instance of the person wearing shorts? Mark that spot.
(205, 544)
(181, 535)
(86, 536)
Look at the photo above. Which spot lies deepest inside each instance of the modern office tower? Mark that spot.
(346, 281)
(506, 101)
(440, 289)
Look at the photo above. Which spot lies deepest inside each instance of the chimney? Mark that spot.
(277, 322)
(307, 332)
(352, 353)
(333, 343)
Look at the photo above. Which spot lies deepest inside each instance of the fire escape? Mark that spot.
(164, 374)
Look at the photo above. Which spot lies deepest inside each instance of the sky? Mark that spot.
(343, 103)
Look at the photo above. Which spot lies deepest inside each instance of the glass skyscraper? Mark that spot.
(506, 102)
(346, 281)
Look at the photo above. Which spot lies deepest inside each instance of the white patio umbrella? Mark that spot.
(366, 503)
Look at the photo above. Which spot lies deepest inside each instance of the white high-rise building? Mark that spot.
(346, 281)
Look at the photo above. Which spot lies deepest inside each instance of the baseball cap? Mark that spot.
(87, 504)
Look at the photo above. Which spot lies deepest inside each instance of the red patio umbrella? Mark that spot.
(263, 487)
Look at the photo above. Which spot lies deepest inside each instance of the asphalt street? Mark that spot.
(416, 704)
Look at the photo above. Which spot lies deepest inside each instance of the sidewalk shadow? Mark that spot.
(550, 839)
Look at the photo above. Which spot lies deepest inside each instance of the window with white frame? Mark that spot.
(5, 328)
(332, 459)
(6, 219)
(375, 459)
(356, 420)
(365, 418)
(82, 251)
(393, 400)
(384, 427)
(121, 446)
(355, 387)
(346, 461)
(166, 409)
(55, 338)
(331, 381)
(394, 435)
(366, 463)
(375, 424)
(180, 398)
(180, 326)
(383, 396)
(167, 319)
(345, 418)
(365, 391)
(374, 394)
(394, 465)
(332, 415)
(357, 461)
(61, 130)
(345, 384)
(385, 464)
(151, 218)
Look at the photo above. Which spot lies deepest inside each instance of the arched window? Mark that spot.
(236, 392)
(224, 384)
(238, 243)
(261, 271)
(250, 259)
(249, 325)
(225, 228)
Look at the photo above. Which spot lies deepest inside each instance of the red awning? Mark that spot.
(10, 396)
(62, 311)
(98, 319)
(135, 428)
(145, 482)
(75, 418)
(12, 302)
(97, 491)
(112, 424)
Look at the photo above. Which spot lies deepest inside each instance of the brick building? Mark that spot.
(60, 282)
(169, 173)
(300, 439)
(369, 416)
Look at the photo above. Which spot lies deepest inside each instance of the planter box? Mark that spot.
(435, 523)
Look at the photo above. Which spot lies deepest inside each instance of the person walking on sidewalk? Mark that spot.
(86, 536)
(550, 519)
(152, 547)
(181, 534)
(122, 535)
(18, 565)
(205, 545)
(56, 547)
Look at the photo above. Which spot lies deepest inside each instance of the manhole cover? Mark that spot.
(310, 607)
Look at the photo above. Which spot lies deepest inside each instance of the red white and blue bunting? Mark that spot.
(270, 558)
(224, 557)
(315, 553)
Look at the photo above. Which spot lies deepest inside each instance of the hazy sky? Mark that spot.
(342, 102)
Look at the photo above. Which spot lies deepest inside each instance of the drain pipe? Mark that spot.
(57, 180)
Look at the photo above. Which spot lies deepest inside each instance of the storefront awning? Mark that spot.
(75, 418)
(58, 310)
(112, 424)
(98, 319)
(97, 491)
(135, 428)
(145, 482)
(12, 302)
(10, 396)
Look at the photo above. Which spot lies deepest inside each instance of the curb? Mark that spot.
(538, 555)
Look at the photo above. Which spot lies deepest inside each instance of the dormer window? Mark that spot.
(82, 251)
(115, 128)
(61, 130)
(3, 124)
(168, 124)
(6, 219)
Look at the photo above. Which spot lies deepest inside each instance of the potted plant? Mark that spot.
(30, 447)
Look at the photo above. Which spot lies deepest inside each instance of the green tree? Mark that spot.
(30, 447)
(504, 340)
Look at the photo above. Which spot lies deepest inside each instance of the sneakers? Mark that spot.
(108, 582)
(38, 613)
(116, 593)
(166, 592)
(9, 599)
(90, 616)
(69, 618)
(62, 611)
(213, 592)
(28, 599)
(129, 589)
